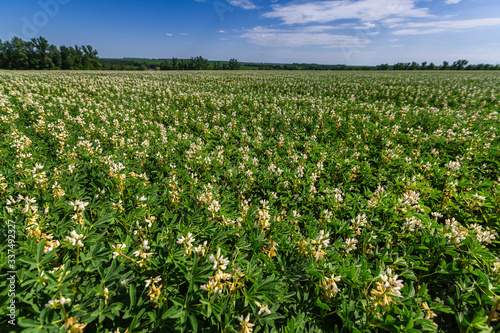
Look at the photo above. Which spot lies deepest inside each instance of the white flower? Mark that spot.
(187, 241)
(324, 238)
(75, 239)
(453, 165)
(200, 249)
(330, 285)
(142, 252)
(350, 244)
(262, 308)
(219, 261)
(246, 326)
(65, 300)
(118, 249)
(155, 280)
(214, 206)
(50, 304)
(79, 205)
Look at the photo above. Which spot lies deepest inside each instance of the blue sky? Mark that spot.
(357, 32)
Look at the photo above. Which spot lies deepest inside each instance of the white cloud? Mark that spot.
(222, 31)
(459, 24)
(328, 11)
(263, 36)
(412, 28)
(183, 33)
(452, 2)
(417, 31)
(245, 4)
(168, 34)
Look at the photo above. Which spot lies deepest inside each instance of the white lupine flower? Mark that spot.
(350, 244)
(155, 280)
(219, 261)
(329, 285)
(118, 249)
(323, 239)
(50, 303)
(412, 224)
(454, 231)
(65, 300)
(246, 326)
(188, 240)
(201, 249)
(479, 197)
(142, 252)
(214, 206)
(75, 239)
(453, 165)
(79, 205)
(262, 308)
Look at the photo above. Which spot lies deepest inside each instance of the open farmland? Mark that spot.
(225, 202)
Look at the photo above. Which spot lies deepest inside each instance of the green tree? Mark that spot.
(175, 63)
(166, 65)
(67, 57)
(18, 53)
(55, 57)
(459, 64)
(234, 64)
(41, 56)
(90, 58)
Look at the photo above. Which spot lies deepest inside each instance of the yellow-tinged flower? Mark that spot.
(246, 325)
(71, 324)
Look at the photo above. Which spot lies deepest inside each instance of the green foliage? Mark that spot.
(39, 54)
(270, 201)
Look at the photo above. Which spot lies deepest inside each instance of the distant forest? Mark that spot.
(39, 54)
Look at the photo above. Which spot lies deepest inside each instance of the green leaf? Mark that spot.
(173, 312)
(39, 251)
(133, 295)
(28, 323)
(322, 305)
(136, 318)
(193, 321)
(48, 257)
(103, 221)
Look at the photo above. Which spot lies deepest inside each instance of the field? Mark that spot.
(240, 202)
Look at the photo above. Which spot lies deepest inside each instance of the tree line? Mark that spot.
(193, 63)
(39, 54)
(306, 67)
(198, 63)
(461, 64)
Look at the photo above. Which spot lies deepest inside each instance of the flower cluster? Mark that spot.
(217, 282)
(329, 285)
(75, 239)
(386, 289)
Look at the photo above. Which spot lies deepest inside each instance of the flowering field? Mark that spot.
(226, 202)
